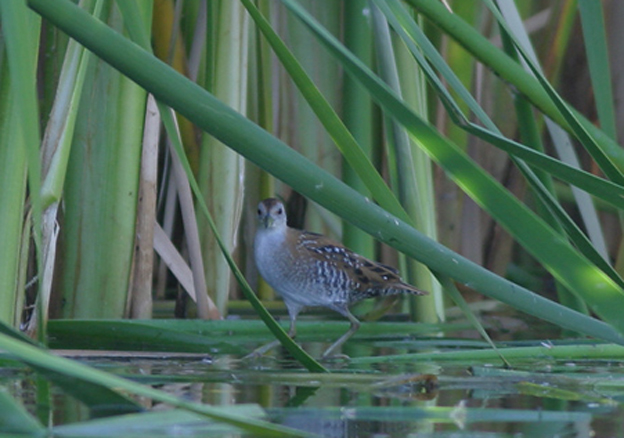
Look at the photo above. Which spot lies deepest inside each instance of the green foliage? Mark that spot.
(401, 160)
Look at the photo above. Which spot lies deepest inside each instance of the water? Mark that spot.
(461, 398)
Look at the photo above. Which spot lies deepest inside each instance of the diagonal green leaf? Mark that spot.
(410, 169)
(457, 297)
(551, 249)
(131, 15)
(511, 71)
(78, 372)
(572, 120)
(288, 343)
(274, 156)
(345, 141)
(607, 189)
(14, 419)
(100, 400)
(561, 140)
(410, 33)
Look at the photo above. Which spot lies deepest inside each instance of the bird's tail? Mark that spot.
(397, 288)
(404, 288)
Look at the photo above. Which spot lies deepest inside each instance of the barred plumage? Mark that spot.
(307, 270)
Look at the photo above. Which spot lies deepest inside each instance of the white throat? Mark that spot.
(268, 245)
(268, 239)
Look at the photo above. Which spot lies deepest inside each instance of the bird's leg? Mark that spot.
(260, 351)
(355, 325)
(292, 331)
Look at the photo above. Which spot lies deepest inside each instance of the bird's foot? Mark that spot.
(261, 351)
(335, 358)
(252, 356)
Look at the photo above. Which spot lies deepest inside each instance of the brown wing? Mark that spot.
(366, 277)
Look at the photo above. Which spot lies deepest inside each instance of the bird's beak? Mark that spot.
(267, 221)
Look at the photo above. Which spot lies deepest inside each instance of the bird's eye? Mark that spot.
(259, 212)
(280, 212)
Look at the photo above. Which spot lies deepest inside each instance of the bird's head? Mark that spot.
(271, 214)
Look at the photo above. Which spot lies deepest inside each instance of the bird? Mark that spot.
(310, 270)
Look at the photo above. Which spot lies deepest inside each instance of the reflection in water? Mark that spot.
(436, 397)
